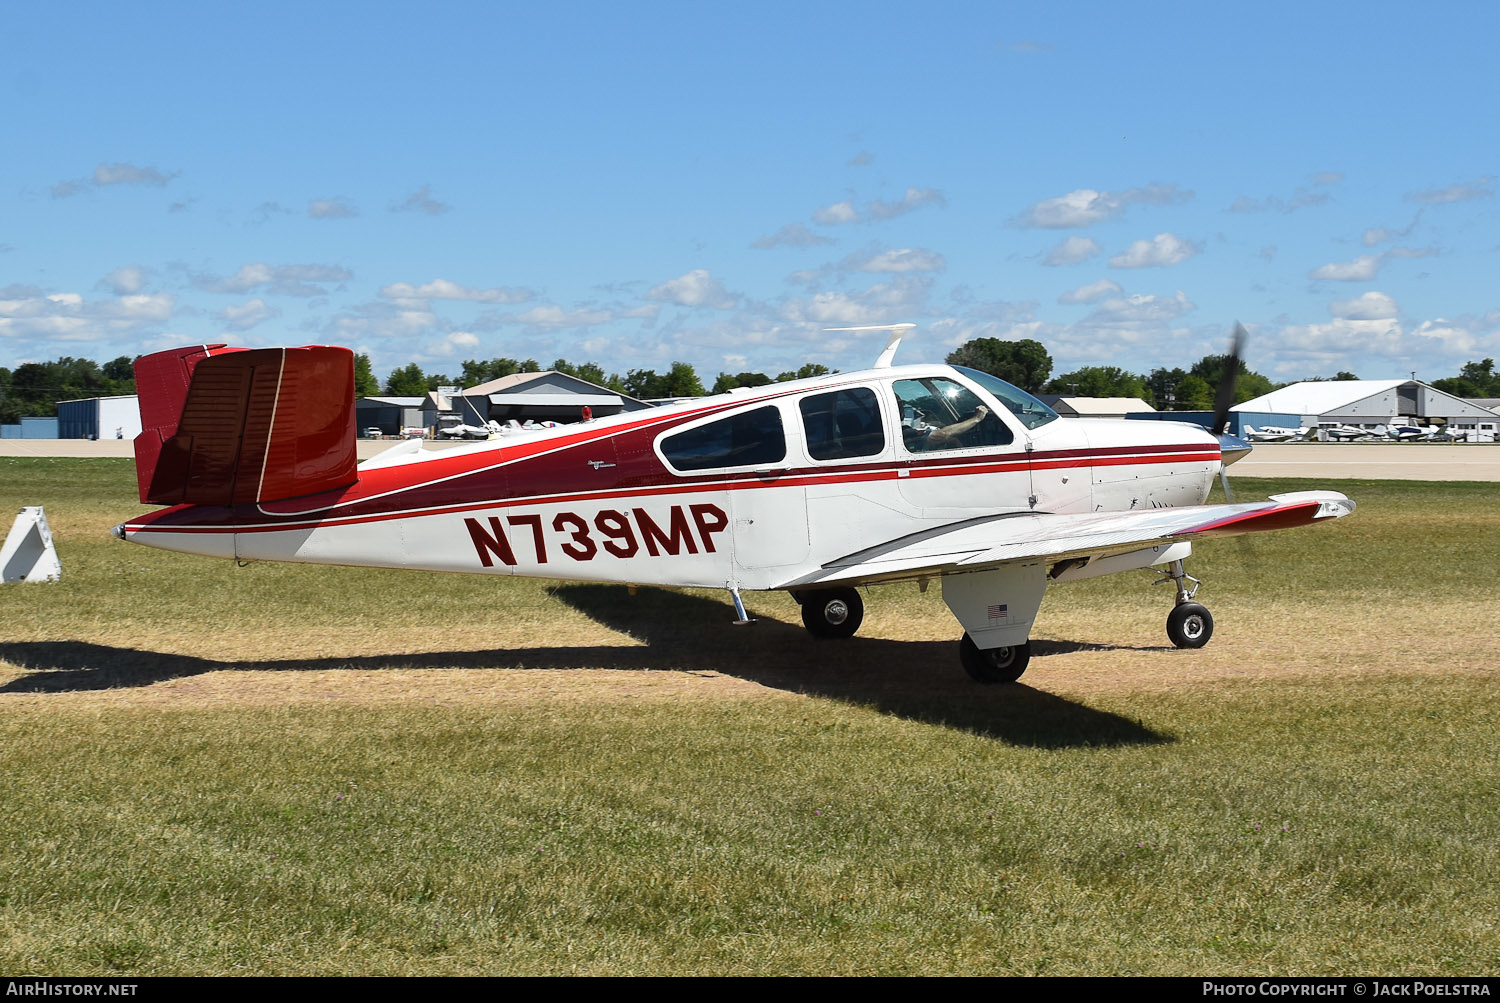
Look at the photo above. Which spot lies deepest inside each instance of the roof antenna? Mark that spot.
(897, 331)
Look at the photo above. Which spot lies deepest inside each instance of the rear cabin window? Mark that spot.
(842, 424)
(750, 438)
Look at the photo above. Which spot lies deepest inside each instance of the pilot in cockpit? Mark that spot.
(920, 435)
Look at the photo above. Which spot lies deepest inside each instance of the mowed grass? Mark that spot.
(293, 770)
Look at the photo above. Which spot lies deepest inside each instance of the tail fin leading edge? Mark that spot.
(233, 426)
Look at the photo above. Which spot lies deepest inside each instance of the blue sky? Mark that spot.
(633, 184)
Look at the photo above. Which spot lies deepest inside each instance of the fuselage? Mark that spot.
(747, 490)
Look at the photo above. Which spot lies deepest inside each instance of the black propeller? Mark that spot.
(1231, 447)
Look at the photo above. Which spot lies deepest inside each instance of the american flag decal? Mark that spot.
(999, 611)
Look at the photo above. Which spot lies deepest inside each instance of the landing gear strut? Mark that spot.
(832, 613)
(1190, 624)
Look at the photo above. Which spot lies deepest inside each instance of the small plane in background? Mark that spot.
(816, 487)
(1412, 432)
(1350, 433)
(1274, 433)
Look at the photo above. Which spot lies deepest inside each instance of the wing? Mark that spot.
(995, 541)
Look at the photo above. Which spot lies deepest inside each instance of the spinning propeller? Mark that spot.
(1231, 447)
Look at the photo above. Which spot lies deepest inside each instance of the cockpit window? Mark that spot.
(1032, 412)
(944, 414)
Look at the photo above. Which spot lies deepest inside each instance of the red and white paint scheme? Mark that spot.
(816, 487)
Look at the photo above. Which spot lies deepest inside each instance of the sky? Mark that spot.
(637, 184)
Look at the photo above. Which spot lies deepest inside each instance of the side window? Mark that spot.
(842, 424)
(749, 438)
(941, 414)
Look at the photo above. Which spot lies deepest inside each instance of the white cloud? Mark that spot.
(1458, 192)
(791, 235)
(112, 174)
(1161, 251)
(1091, 293)
(129, 174)
(1300, 199)
(1141, 309)
(883, 303)
(1369, 306)
(125, 280)
(903, 259)
(442, 289)
(282, 280)
(839, 212)
(70, 317)
(1366, 266)
(380, 320)
(421, 200)
(862, 159)
(696, 288)
(1328, 177)
(553, 317)
(914, 199)
(459, 341)
(1072, 251)
(337, 207)
(1087, 206)
(246, 316)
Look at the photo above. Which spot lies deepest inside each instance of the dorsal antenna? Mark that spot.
(898, 331)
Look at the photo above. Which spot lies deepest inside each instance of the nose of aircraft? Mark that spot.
(1232, 448)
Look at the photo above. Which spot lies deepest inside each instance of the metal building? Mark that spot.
(1365, 404)
(99, 418)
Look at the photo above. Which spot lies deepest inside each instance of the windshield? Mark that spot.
(1032, 412)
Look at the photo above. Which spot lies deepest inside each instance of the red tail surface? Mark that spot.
(233, 426)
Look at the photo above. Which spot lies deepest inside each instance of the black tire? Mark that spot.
(1190, 625)
(994, 665)
(832, 613)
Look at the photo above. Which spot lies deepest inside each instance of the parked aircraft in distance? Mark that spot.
(815, 487)
(1412, 432)
(1274, 433)
(1349, 433)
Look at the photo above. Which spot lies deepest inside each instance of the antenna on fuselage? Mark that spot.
(897, 332)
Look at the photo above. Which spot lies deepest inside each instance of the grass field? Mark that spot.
(207, 769)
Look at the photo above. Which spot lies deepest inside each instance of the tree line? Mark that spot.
(34, 388)
(681, 380)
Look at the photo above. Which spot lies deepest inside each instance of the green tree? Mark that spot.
(365, 383)
(1248, 384)
(407, 381)
(1161, 388)
(726, 382)
(121, 370)
(1024, 363)
(679, 381)
(1099, 381)
(587, 371)
(1475, 379)
(806, 372)
(1194, 394)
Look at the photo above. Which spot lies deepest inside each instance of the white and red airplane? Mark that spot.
(816, 487)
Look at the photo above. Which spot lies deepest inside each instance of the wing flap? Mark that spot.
(980, 544)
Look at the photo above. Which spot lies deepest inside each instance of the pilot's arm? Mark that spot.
(946, 438)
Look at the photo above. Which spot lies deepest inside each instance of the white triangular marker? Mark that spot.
(28, 554)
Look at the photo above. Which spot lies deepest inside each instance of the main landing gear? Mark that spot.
(1190, 624)
(832, 613)
(994, 665)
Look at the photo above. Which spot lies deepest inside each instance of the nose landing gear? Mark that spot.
(1190, 624)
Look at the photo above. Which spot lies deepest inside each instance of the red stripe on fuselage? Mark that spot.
(404, 502)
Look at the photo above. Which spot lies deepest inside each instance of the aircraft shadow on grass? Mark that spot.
(916, 680)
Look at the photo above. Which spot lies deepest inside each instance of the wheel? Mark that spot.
(832, 612)
(1190, 625)
(994, 665)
